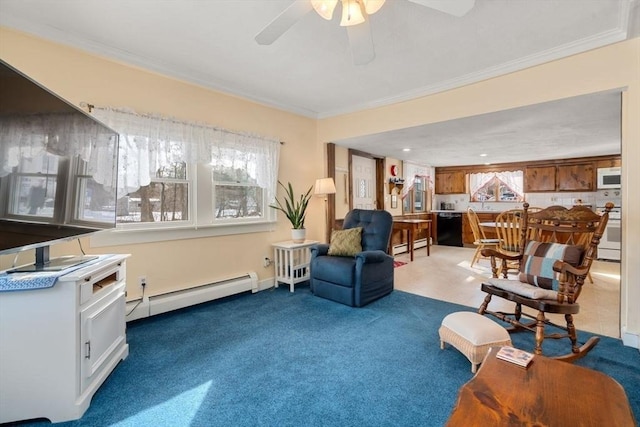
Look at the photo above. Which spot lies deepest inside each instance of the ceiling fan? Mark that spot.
(355, 16)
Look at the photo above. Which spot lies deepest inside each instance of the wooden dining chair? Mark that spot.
(508, 232)
(479, 238)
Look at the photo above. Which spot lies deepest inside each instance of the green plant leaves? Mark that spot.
(294, 208)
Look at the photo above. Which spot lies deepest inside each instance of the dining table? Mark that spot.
(413, 226)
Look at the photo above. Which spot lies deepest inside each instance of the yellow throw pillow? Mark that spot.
(346, 242)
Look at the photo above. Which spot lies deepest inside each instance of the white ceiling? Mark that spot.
(309, 69)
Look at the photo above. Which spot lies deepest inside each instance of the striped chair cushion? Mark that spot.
(536, 267)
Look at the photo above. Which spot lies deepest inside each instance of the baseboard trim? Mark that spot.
(630, 339)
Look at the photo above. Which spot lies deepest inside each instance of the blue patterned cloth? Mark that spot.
(24, 281)
(36, 280)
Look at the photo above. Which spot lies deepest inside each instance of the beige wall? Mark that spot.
(612, 67)
(79, 77)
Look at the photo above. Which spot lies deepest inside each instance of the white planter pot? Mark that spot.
(298, 235)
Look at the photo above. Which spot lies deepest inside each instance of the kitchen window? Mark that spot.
(505, 186)
(417, 198)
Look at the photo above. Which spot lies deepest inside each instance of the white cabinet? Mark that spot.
(59, 344)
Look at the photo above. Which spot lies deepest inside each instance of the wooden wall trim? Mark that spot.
(330, 224)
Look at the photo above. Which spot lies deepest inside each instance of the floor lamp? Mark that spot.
(324, 187)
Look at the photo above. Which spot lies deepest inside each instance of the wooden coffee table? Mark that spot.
(548, 393)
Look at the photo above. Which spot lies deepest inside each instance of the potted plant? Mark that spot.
(295, 209)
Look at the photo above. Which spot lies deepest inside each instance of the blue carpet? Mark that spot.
(280, 359)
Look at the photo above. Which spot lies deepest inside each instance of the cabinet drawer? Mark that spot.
(99, 281)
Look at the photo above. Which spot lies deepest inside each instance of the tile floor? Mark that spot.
(446, 275)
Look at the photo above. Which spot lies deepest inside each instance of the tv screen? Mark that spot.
(58, 170)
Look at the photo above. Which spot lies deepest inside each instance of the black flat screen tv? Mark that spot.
(58, 169)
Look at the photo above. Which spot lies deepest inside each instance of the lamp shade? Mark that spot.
(351, 13)
(324, 8)
(324, 186)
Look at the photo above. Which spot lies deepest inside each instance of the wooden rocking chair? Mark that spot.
(557, 248)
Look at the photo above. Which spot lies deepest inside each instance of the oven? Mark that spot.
(611, 241)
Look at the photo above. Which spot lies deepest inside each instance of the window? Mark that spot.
(236, 193)
(165, 199)
(190, 180)
(415, 200)
(497, 186)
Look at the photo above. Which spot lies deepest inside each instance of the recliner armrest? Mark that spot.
(319, 249)
(369, 257)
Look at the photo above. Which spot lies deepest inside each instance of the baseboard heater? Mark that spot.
(402, 248)
(175, 300)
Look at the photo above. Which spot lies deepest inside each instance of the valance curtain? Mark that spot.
(513, 179)
(148, 142)
(63, 134)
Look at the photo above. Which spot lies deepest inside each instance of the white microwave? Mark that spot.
(609, 178)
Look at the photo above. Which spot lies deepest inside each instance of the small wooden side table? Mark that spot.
(548, 393)
(413, 226)
(292, 262)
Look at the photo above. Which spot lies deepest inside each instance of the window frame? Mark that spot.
(496, 184)
(201, 224)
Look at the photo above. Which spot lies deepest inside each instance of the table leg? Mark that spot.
(410, 242)
(428, 239)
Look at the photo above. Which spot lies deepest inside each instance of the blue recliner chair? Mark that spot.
(356, 281)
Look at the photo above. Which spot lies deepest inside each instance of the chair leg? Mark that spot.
(540, 319)
(485, 304)
(517, 314)
(571, 329)
(476, 256)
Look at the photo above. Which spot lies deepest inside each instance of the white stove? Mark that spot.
(611, 241)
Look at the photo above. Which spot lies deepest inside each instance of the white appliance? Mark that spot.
(611, 241)
(609, 178)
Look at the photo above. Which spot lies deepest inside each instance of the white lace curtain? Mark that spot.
(412, 170)
(148, 142)
(62, 134)
(513, 179)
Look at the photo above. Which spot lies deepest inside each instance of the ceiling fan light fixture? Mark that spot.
(372, 6)
(351, 13)
(324, 8)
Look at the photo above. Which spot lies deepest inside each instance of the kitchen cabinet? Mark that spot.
(450, 182)
(539, 179)
(578, 177)
(60, 343)
(571, 177)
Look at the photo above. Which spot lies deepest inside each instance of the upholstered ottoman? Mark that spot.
(472, 334)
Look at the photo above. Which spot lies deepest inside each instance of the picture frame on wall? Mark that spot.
(394, 201)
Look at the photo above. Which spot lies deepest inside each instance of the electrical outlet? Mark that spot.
(143, 281)
(266, 262)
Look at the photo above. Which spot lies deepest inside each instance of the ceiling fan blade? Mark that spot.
(451, 7)
(361, 43)
(283, 22)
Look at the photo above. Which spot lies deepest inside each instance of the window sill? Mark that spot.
(116, 237)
